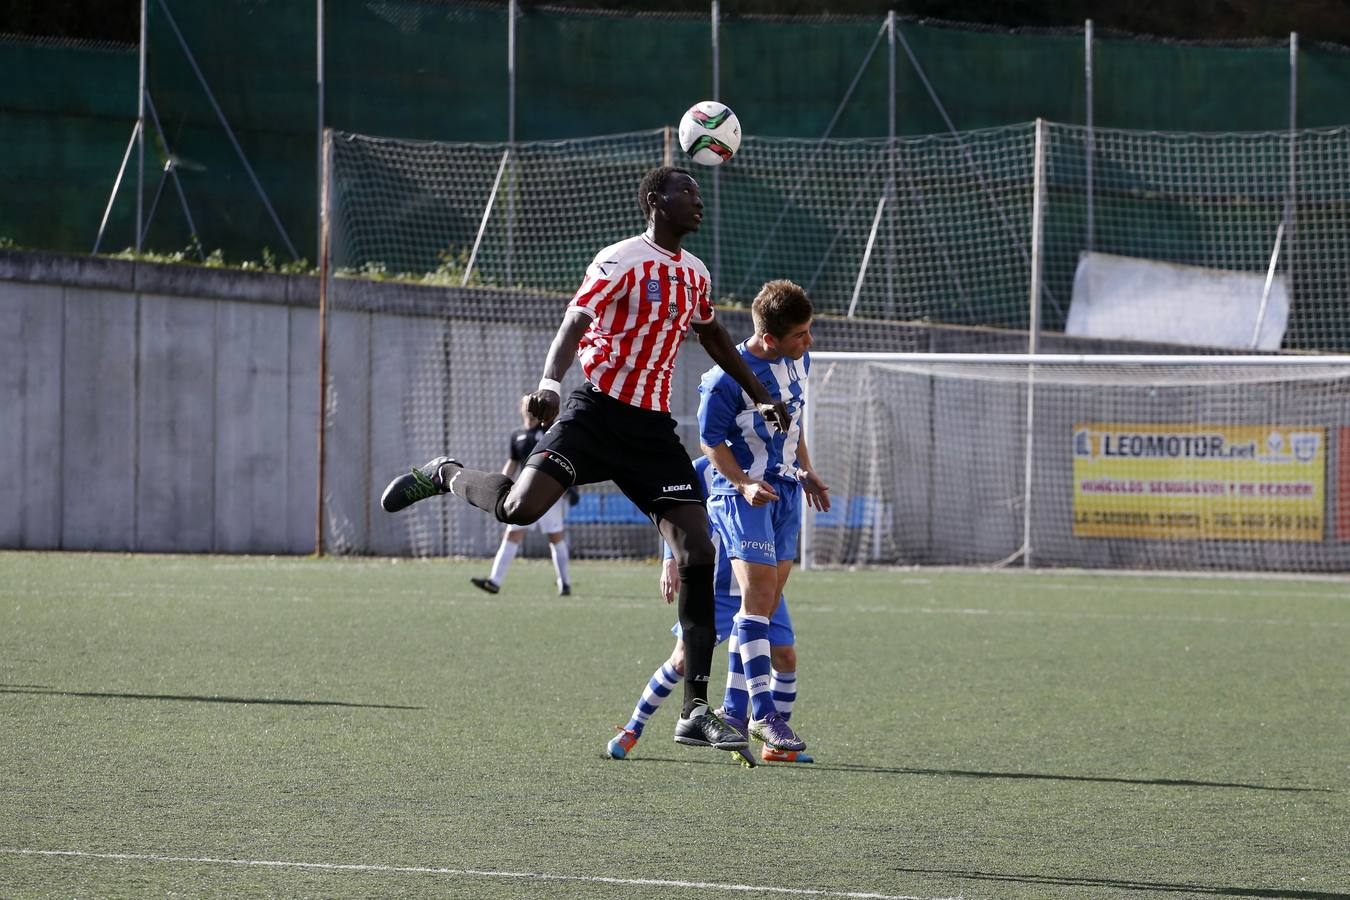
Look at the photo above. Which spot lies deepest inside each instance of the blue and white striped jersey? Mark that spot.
(727, 415)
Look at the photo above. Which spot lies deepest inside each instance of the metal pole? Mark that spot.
(867, 253)
(140, 126)
(1037, 204)
(121, 170)
(890, 154)
(512, 10)
(319, 44)
(487, 213)
(1291, 204)
(1270, 280)
(808, 521)
(1034, 329)
(1090, 151)
(717, 172)
(325, 166)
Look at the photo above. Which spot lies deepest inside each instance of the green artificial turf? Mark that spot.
(977, 734)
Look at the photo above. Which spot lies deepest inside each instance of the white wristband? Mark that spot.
(548, 384)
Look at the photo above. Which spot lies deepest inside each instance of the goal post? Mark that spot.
(1134, 461)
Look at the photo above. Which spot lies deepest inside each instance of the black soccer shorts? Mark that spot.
(598, 438)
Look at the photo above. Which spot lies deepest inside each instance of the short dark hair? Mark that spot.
(653, 182)
(779, 307)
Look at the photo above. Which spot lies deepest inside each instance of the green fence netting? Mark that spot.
(437, 70)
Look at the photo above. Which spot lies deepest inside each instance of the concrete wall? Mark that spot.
(155, 408)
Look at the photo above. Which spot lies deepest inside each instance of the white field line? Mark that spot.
(469, 873)
(1069, 615)
(811, 607)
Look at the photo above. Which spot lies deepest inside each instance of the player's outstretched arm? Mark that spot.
(718, 345)
(756, 493)
(544, 403)
(816, 491)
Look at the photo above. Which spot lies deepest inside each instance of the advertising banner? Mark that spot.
(1228, 482)
(1343, 486)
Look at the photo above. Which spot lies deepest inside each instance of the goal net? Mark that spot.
(1232, 463)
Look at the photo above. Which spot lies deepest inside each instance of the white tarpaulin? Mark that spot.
(1147, 300)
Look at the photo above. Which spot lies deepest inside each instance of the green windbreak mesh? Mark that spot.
(434, 71)
(983, 82)
(634, 73)
(787, 79)
(1323, 86)
(259, 62)
(437, 70)
(66, 114)
(1184, 87)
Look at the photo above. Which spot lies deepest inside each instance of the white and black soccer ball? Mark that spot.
(710, 133)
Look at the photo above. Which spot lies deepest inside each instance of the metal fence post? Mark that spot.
(1090, 150)
(717, 172)
(1292, 201)
(1034, 333)
(890, 165)
(512, 10)
(319, 84)
(140, 124)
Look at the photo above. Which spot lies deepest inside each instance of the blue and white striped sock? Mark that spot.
(736, 701)
(662, 682)
(753, 633)
(784, 687)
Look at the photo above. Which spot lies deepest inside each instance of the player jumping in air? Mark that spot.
(551, 523)
(782, 653)
(760, 476)
(626, 323)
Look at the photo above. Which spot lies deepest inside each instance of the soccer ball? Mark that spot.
(710, 133)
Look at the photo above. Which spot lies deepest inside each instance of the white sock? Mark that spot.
(559, 551)
(505, 553)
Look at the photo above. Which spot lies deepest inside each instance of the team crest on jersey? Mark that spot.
(652, 290)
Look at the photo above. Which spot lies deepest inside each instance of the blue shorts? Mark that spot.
(758, 534)
(780, 624)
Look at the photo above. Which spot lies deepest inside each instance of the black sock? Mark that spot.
(699, 629)
(485, 490)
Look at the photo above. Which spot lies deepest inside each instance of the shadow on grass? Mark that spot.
(195, 698)
(1130, 884)
(1045, 776)
(1039, 776)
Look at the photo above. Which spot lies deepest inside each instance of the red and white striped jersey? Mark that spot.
(641, 298)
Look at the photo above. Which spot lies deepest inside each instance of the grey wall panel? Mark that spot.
(505, 362)
(176, 425)
(98, 409)
(302, 429)
(251, 428)
(347, 435)
(30, 415)
(406, 428)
